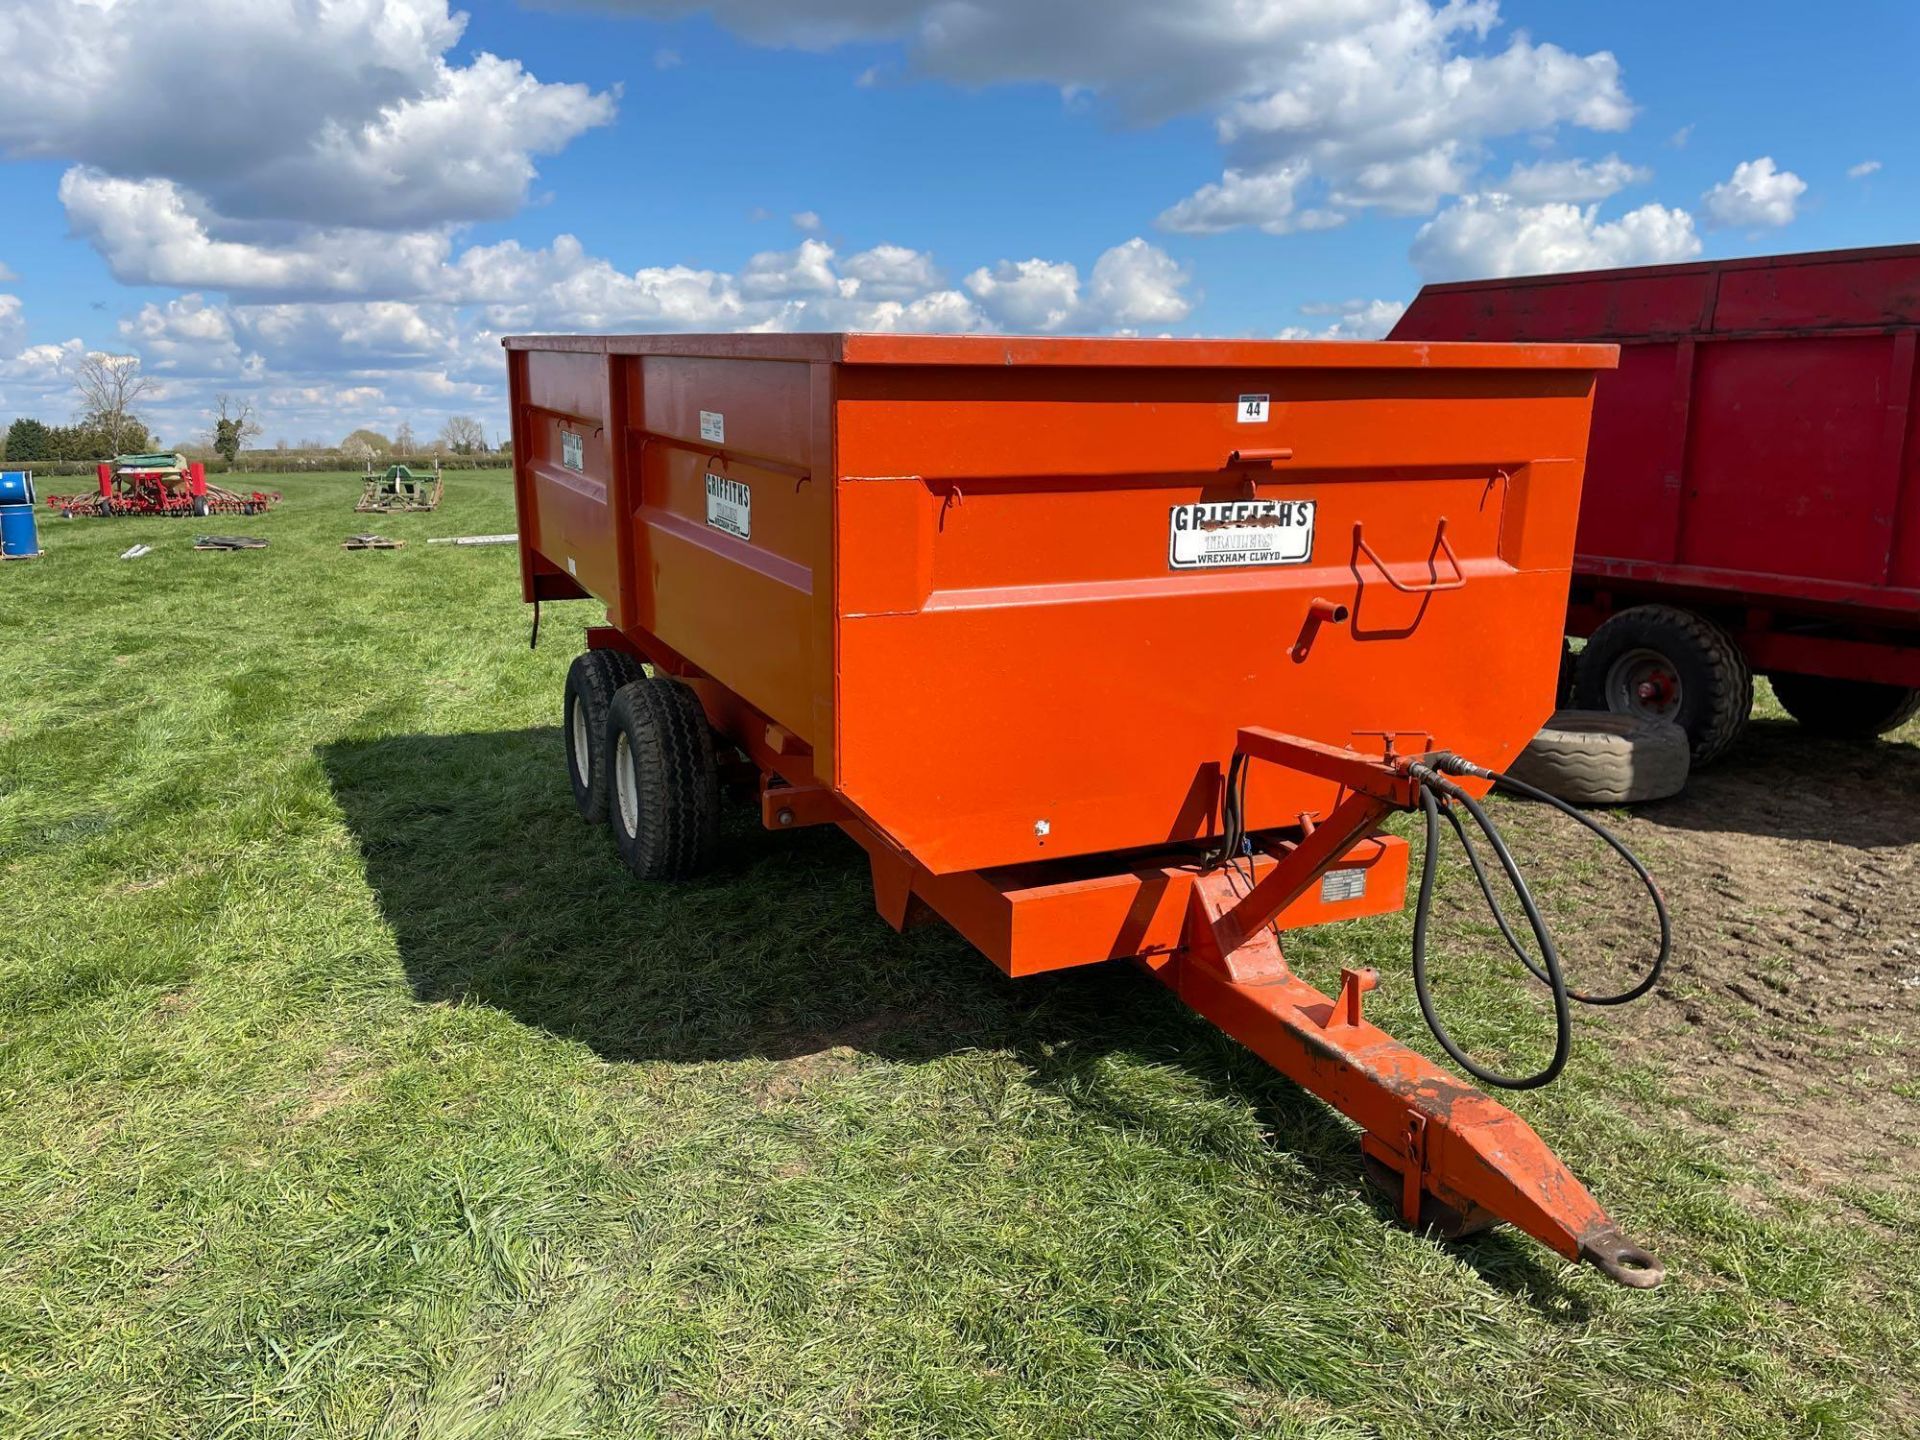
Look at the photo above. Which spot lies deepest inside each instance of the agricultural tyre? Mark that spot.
(1655, 662)
(664, 809)
(1596, 757)
(1846, 709)
(200, 509)
(592, 680)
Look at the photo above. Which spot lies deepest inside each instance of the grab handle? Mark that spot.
(1440, 547)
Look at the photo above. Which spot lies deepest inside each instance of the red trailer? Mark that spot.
(1753, 482)
(1099, 649)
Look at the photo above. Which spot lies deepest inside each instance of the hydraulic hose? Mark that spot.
(1439, 798)
(1457, 766)
(1433, 783)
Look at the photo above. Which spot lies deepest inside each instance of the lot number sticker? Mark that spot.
(713, 427)
(1223, 534)
(1252, 410)
(573, 452)
(729, 506)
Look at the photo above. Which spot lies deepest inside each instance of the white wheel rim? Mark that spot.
(627, 784)
(582, 755)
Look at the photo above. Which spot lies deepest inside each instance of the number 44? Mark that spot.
(1252, 409)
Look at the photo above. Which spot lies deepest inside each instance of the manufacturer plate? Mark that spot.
(713, 427)
(1228, 533)
(729, 506)
(1341, 885)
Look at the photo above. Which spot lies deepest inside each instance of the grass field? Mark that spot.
(349, 1086)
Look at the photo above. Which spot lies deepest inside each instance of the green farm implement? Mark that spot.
(398, 488)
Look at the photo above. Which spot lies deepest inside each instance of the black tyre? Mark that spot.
(1660, 663)
(1850, 709)
(664, 801)
(592, 680)
(200, 506)
(1595, 757)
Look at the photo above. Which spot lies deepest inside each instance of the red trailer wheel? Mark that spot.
(1661, 663)
(1848, 709)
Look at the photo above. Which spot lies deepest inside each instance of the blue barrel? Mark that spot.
(19, 534)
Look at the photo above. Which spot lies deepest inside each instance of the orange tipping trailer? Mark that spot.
(1037, 622)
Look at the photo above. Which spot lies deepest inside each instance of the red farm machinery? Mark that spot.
(1752, 502)
(159, 484)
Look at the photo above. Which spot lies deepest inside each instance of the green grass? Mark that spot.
(348, 1086)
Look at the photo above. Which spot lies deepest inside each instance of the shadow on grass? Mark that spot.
(497, 893)
(1778, 780)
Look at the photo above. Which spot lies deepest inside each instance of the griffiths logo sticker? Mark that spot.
(729, 506)
(1228, 533)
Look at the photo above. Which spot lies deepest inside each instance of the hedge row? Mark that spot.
(275, 463)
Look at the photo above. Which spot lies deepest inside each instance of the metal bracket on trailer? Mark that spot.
(1460, 1160)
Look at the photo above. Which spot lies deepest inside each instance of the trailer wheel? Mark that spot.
(1661, 663)
(199, 506)
(1850, 709)
(664, 807)
(1595, 757)
(587, 704)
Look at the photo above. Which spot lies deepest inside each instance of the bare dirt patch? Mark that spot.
(808, 1057)
(336, 1081)
(1792, 869)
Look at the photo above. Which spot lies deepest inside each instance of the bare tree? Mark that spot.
(109, 386)
(403, 441)
(463, 435)
(233, 427)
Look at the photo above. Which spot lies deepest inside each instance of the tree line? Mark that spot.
(105, 426)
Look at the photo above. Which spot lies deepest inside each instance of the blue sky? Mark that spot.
(355, 199)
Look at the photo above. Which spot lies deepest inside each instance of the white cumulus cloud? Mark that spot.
(1350, 320)
(1576, 180)
(1137, 286)
(1267, 199)
(156, 232)
(1756, 194)
(13, 325)
(1036, 295)
(346, 112)
(437, 349)
(1378, 103)
(1133, 286)
(1493, 234)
